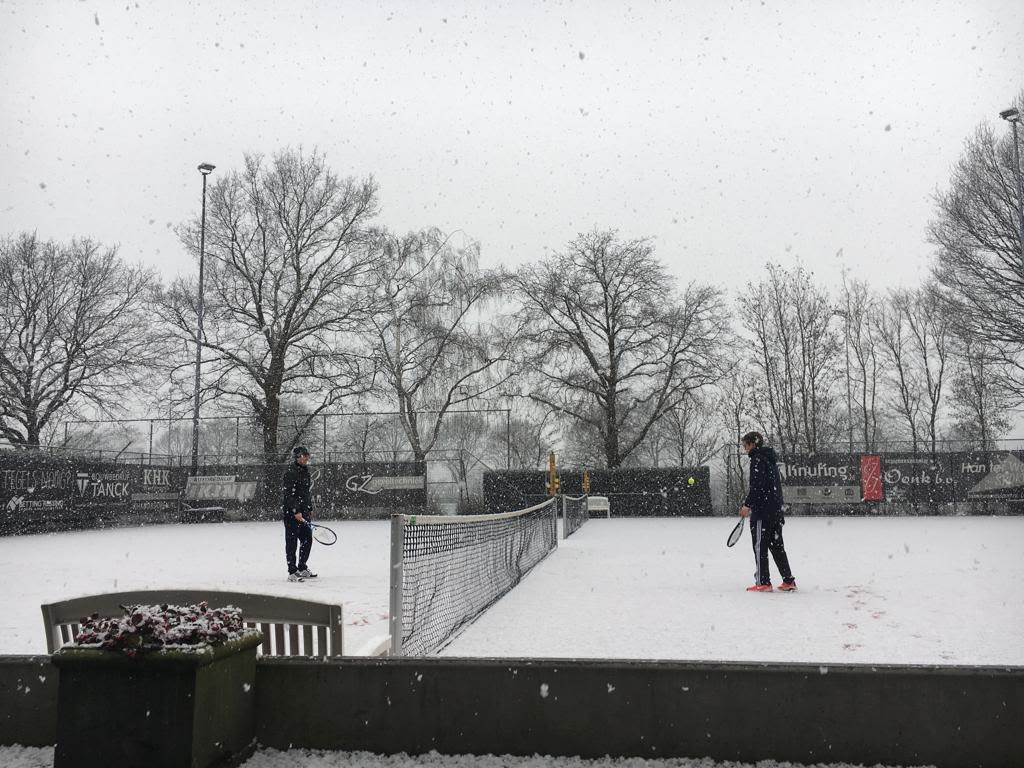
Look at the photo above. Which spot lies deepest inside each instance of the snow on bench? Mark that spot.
(290, 627)
(598, 504)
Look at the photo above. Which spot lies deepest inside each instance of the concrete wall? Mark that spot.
(950, 717)
(28, 701)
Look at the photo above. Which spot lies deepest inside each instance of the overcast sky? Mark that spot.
(731, 133)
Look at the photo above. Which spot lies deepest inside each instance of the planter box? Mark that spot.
(163, 709)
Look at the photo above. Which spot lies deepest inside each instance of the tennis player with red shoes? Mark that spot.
(763, 506)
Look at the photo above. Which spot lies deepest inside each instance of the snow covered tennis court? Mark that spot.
(872, 590)
(920, 590)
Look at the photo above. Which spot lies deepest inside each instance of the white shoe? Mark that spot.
(305, 573)
(297, 576)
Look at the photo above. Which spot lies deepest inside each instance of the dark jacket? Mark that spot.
(765, 495)
(295, 491)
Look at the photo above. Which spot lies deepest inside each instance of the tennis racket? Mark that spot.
(323, 534)
(736, 533)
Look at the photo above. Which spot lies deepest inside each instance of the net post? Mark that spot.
(397, 540)
(552, 483)
(554, 522)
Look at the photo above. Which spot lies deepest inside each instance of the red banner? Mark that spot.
(871, 488)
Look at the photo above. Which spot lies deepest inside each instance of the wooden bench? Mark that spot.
(290, 627)
(598, 504)
(201, 514)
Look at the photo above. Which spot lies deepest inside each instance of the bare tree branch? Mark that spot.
(980, 260)
(434, 347)
(287, 288)
(796, 351)
(73, 331)
(612, 344)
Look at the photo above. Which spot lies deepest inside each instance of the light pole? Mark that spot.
(845, 314)
(1013, 116)
(204, 169)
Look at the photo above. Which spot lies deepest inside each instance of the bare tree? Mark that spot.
(694, 430)
(225, 439)
(73, 332)
(287, 285)
(735, 403)
(688, 435)
(435, 347)
(375, 436)
(979, 401)
(980, 260)
(796, 352)
(367, 437)
(296, 426)
(462, 446)
(916, 337)
(615, 345)
(359, 437)
(931, 334)
(863, 360)
(533, 433)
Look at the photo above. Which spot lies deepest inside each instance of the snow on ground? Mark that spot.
(28, 757)
(871, 590)
(921, 590)
(232, 557)
(313, 759)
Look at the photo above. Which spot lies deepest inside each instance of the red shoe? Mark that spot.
(788, 586)
(760, 588)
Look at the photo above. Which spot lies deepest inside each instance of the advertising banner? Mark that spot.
(910, 478)
(920, 478)
(871, 487)
(333, 485)
(39, 491)
(157, 489)
(993, 475)
(821, 479)
(373, 484)
(30, 491)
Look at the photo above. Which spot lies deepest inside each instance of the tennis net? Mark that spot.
(574, 514)
(447, 570)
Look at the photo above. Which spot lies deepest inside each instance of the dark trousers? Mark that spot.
(766, 536)
(295, 532)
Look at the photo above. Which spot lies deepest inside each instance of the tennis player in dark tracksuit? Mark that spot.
(763, 506)
(297, 511)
